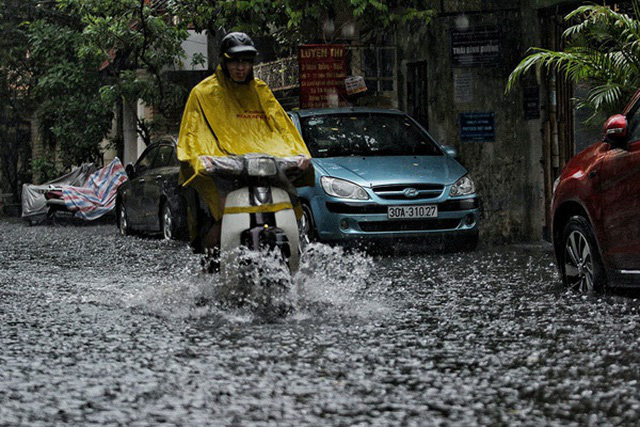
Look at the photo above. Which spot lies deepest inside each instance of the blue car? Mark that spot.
(380, 177)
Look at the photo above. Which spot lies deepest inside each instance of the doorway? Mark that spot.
(417, 100)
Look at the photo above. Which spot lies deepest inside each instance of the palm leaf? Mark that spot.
(603, 50)
(606, 96)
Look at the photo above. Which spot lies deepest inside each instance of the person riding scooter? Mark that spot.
(230, 113)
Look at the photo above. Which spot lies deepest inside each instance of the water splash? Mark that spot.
(331, 281)
(334, 281)
(190, 296)
(257, 280)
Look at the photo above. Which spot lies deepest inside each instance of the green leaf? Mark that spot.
(603, 51)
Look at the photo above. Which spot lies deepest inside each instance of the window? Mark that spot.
(365, 135)
(145, 161)
(166, 157)
(633, 124)
(379, 68)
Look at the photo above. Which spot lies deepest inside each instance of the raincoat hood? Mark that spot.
(224, 118)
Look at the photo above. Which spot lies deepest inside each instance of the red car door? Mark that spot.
(620, 185)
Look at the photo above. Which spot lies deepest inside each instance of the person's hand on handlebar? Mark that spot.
(303, 162)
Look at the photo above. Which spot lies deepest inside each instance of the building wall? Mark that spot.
(187, 74)
(195, 45)
(506, 170)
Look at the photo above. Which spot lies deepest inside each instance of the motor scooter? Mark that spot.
(260, 241)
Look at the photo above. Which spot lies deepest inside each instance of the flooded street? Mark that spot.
(99, 329)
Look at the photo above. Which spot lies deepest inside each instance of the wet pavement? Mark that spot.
(99, 329)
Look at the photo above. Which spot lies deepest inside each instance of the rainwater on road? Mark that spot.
(100, 329)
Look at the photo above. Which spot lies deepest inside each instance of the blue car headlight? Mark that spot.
(344, 189)
(463, 187)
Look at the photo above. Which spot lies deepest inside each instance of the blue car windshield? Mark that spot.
(365, 135)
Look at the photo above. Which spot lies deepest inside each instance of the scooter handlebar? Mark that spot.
(235, 166)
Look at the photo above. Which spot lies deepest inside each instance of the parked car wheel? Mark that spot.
(582, 267)
(168, 222)
(307, 227)
(123, 221)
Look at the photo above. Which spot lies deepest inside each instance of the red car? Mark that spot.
(596, 208)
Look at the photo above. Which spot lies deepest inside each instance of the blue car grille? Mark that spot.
(373, 208)
(397, 192)
(409, 225)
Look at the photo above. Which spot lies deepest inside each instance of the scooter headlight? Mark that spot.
(262, 166)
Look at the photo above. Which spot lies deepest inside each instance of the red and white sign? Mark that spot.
(355, 85)
(323, 70)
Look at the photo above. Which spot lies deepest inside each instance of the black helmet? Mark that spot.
(237, 43)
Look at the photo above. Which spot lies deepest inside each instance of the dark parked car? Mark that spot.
(596, 208)
(150, 201)
(381, 177)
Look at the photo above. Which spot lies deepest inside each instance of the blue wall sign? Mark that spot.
(477, 127)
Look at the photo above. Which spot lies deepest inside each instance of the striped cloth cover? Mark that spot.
(98, 195)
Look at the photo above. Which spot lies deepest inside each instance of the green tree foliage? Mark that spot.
(66, 88)
(292, 22)
(69, 62)
(602, 50)
(135, 43)
(15, 83)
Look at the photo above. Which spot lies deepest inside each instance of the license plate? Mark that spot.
(405, 212)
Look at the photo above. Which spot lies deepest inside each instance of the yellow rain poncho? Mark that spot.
(225, 118)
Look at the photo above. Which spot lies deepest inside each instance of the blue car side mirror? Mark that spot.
(452, 151)
(129, 170)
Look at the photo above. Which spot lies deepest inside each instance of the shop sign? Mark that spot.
(475, 47)
(323, 70)
(477, 127)
(462, 86)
